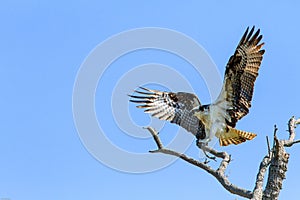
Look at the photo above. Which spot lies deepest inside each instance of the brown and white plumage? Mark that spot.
(240, 75)
(219, 118)
(174, 107)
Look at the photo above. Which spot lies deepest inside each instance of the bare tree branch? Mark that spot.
(276, 160)
(268, 144)
(277, 170)
(219, 174)
(258, 189)
(279, 162)
(155, 137)
(292, 134)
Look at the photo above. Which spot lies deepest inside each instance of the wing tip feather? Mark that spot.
(250, 38)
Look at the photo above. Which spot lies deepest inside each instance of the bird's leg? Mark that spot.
(202, 146)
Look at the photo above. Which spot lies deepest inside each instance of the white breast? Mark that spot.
(217, 115)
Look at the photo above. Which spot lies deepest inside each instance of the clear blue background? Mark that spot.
(42, 46)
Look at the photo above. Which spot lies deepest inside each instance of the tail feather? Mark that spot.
(234, 136)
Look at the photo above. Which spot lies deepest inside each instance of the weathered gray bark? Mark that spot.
(277, 170)
(279, 162)
(276, 160)
(258, 190)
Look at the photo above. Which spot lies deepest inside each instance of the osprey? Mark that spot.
(219, 118)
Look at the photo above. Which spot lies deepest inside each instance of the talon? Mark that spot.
(206, 161)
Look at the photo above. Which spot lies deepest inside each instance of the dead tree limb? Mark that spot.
(279, 162)
(219, 174)
(276, 160)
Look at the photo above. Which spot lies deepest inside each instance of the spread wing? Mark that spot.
(240, 75)
(174, 107)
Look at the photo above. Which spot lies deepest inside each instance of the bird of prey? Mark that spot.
(219, 118)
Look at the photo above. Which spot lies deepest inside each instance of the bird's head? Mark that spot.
(204, 109)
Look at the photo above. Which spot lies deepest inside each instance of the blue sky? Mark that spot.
(43, 45)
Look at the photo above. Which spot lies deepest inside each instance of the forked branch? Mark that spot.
(276, 160)
(219, 174)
